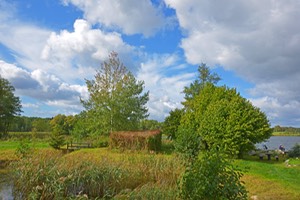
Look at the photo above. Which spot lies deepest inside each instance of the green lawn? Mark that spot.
(5, 145)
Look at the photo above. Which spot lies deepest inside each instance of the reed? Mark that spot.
(97, 173)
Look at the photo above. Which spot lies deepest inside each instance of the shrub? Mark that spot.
(57, 140)
(136, 140)
(211, 176)
(295, 151)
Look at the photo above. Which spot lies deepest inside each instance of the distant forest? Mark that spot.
(286, 129)
(27, 124)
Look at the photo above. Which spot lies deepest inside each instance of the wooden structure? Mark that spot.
(75, 146)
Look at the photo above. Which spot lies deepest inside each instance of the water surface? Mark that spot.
(275, 141)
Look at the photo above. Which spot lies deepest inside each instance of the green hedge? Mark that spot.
(136, 140)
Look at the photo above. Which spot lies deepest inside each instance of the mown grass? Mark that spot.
(12, 144)
(271, 180)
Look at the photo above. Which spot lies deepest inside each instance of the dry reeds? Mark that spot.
(136, 140)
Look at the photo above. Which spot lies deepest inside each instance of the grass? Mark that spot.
(286, 134)
(140, 174)
(11, 144)
(271, 180)
(97, 173)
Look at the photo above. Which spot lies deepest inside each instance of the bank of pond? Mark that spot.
(111, 174)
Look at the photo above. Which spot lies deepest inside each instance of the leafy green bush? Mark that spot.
(188, 143)
(23, 149)
(295, 151)
(212, 176)
(57, 140)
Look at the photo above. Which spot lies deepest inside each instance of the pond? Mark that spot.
(275, 141)
(5, 186)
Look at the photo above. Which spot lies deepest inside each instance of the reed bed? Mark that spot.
(95, 174)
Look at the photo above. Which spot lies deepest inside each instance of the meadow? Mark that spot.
(112, 174)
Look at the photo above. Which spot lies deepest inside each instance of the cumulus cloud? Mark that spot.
(43, 87)
(81, 51)
(258, 40)
(130, 16)
(165, 90)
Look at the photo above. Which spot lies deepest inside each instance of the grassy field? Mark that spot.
(270, 179)
(285, 134)
(8, 144)
(153, 174)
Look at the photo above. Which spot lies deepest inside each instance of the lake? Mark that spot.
(287, 141)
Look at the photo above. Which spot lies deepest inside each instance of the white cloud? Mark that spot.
(79, 52)
(259, 40)
(130, 16)
(43, 87)
(165, 90)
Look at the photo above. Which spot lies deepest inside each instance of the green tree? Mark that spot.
(115, 99)
(62, 124)
(225, 120)
(149, 124)
(172, 122)
(205, 76)
(10, 106)
(41, 125)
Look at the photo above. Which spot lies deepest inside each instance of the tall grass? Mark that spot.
(95, 174)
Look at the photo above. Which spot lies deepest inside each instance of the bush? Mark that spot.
(57, 140)
(295, 151)
(188, 144)
(136, 140)
(212, 176)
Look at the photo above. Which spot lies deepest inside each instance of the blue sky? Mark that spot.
(48, 48)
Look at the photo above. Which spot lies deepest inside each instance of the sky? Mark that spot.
(49, 48)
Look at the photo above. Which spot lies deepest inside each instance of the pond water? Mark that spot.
(275, 141)
(5, 186)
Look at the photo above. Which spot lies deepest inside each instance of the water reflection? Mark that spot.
(5, 186)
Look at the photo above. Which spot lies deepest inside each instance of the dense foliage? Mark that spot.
(172, 122)
(212, 176)
(115, 99)
(295, 151)
(10, 106)
(225, 120)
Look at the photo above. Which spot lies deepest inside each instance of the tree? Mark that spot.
(115, 99)
(225, 120)
(205, 76)
(10, 106)
(149, 124)
(172, 122)
(41, 125)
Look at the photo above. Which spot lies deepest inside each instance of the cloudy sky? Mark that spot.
(48, 48)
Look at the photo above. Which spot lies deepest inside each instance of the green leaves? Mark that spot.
(116, 101)
(10, 105)
(224, 119)
(212, 176)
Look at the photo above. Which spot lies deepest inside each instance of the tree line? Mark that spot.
(215, 125)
